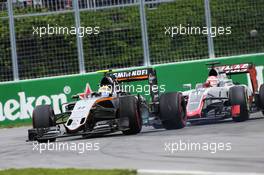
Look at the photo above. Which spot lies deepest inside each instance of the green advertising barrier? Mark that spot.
(175, 75)
(18, 99)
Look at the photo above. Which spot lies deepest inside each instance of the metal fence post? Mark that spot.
(13, 40)
(75, 5)
(209, 25)
(144, 33)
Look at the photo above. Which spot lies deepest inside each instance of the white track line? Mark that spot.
(172, 172)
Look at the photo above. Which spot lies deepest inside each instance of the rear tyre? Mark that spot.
(172, 111)
(43, 117)
(128, 108)
(238, 96)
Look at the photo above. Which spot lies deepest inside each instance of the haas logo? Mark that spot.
(236, 68)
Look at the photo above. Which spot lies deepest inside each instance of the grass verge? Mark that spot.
(13, 125)
(69, 171)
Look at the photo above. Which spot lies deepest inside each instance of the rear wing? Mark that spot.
(235, 68)
(148, 74)
(241, 69)
(133, 75)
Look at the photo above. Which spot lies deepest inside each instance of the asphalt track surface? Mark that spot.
(147, 149)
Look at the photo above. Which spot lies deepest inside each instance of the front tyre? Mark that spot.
(128, 108)
(239, 103)
(261, 97)
(173, 110)
(44, 117)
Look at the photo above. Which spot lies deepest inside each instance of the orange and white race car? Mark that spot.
(96, 113)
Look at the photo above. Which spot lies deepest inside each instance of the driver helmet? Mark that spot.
(105, 90)
(212, 81)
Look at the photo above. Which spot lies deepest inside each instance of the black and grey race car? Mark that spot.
(216, 99)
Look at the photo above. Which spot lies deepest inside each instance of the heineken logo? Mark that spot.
(23, 106)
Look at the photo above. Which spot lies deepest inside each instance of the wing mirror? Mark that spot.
(75, 96)
(187, 86)
(199, 86)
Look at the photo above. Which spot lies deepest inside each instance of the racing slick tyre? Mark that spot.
(43, 117)
(261, 97)
(172, 111)
(128, 108)
(238, 97)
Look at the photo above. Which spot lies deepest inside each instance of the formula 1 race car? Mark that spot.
(97, 113)
(220, 98)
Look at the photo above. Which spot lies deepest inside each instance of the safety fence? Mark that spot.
(42, 38)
